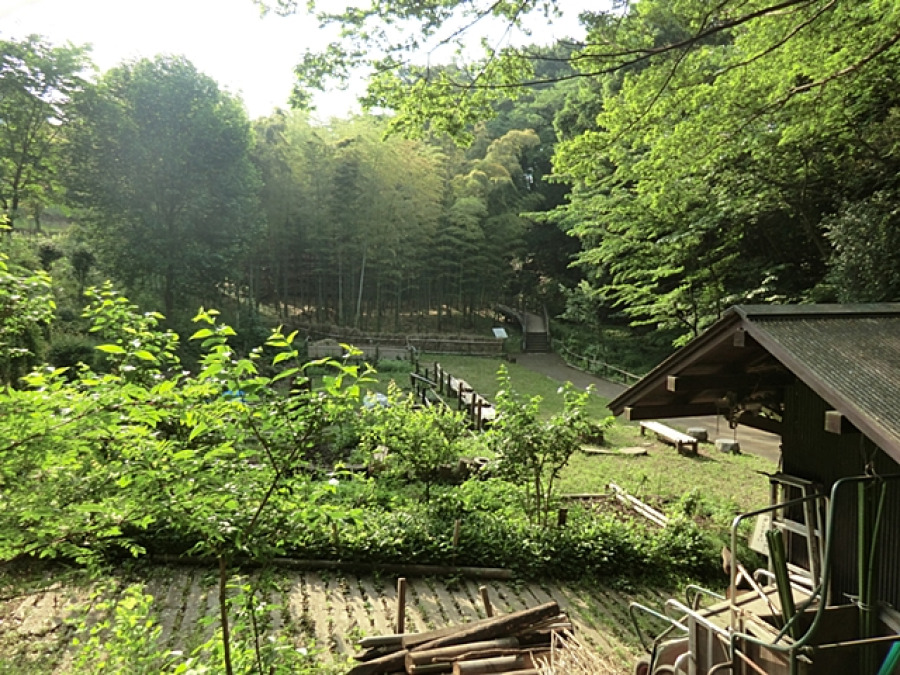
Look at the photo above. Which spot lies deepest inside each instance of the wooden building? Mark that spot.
(827, 379)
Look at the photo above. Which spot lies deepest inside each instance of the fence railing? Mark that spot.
(595, 366)
(407, 348)
(479, 410)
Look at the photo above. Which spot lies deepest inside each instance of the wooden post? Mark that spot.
(456, 533)
(562, 517)
(486, 601)
(401, 605)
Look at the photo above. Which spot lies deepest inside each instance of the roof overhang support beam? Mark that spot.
(768, 424)
(694, 383)
(652, 412)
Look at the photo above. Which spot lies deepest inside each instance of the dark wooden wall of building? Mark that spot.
(809, 452)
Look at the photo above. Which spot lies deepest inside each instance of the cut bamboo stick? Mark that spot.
(648, 512)
(446, 653)
(412, 640)
(508, 624)
(390, 663)
(401, 604)
(499, 664)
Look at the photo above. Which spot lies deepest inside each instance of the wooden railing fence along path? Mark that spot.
(595, 366)
(432, 385)
(375, 347)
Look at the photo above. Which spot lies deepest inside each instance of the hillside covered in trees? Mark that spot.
(682, 158)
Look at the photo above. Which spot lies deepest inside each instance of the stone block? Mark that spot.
(700, 433)
(727, 445)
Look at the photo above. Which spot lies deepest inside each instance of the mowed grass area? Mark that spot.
(481, 373)
(725, 483)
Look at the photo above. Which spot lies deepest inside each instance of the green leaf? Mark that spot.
(285, 373)
(283, 356)
(202, 333)
(196, 431)
(111, 349)
(144, 355)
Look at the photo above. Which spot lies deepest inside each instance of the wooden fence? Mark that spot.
(380, 347)
(434, 384)
(595, 366)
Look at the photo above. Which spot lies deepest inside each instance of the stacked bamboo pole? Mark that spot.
(510, 643)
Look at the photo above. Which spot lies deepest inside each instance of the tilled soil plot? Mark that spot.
(324, 609)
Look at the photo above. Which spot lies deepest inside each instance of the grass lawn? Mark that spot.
(726, 484)
(481, 373)
(732, 482)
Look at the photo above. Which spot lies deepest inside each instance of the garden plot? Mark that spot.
(325, 610)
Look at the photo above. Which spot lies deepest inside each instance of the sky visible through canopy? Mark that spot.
(228, 40)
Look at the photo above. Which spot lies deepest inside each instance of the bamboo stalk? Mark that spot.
(499, 664)
(494, 628)
(446, 655)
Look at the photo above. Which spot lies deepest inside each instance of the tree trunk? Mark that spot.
(362, 281)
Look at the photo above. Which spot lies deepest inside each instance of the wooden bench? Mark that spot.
(671, 436)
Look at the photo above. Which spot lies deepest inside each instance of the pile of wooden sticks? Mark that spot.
(511, 643)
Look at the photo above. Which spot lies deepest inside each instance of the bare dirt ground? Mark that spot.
(752, 441)
(327, 610)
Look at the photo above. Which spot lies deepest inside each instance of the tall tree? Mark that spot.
(161, 159)
(37, 83)
(350, 216)
(399, 41)
(712, 172)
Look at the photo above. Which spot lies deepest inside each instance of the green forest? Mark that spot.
(163, 258)
(679, 161)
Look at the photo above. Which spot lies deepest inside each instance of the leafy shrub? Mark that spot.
(420, 441)
(126, 639)
(532, 452)
(684, 548)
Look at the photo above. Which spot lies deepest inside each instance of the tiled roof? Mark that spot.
(848, 354)
(851, 360)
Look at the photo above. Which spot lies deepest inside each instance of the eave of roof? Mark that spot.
(868, 395)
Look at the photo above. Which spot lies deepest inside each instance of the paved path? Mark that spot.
(751, 440)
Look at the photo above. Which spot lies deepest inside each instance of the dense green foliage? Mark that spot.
(26, 305)
(735, 169)
(236, 461)
(686, 157)
(740, 152)
(381, 234)
(146, 456)
(160, 159)
(37, 83)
